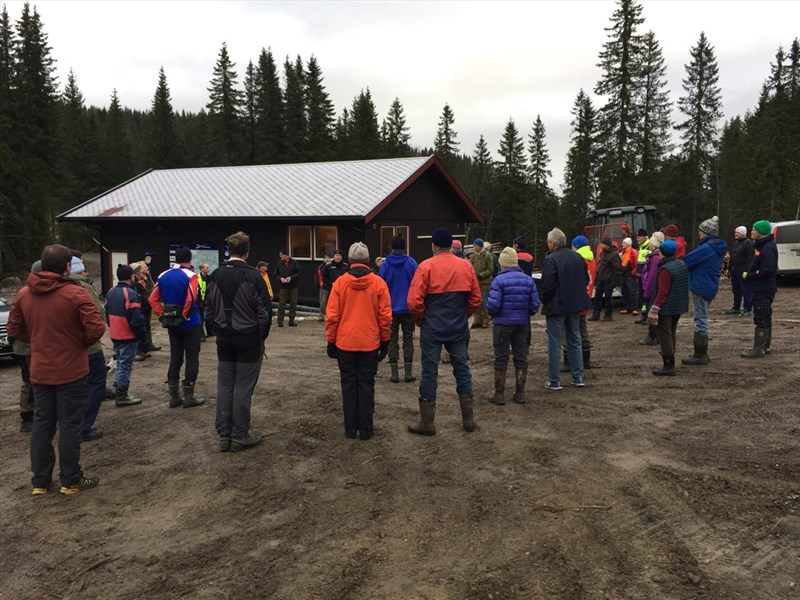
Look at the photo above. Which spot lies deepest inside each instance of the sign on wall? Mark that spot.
(201, 253)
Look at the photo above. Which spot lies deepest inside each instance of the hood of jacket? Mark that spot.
(356, 278)
(47, 282)
(716, 243)
(397, 261)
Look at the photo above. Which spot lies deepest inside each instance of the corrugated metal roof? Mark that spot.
(331, 189)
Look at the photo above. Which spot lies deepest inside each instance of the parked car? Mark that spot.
(5, 309)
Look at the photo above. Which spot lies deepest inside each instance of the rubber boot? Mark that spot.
(587, 355)
(768, 347)
(123, 399)
(467, 418)
(669, 365)
(499, 397)
(519, 393)
(759, 345)
(189, 399)
(409, 376)
(427, 412)
(175, 394)
(25, 421)
(649, 340)
(395, 378)
(565, 366)
(595, 316)
(700, 356)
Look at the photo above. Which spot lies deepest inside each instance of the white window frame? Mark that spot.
(313, 237)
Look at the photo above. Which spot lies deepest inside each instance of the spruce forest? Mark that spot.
(56, 152)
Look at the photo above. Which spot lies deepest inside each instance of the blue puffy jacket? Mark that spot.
(705, 266)
(512, 298)
(397, 271)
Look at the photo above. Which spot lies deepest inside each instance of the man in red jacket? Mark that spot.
(58, 318)
(443, 293)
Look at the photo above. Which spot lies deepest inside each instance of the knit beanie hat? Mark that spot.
(457, 245)
(579, 241)
(628, 241)
(520, 242)
(762, 227)
(398, 243)
(124, 272)
(668, 248)
(442, 238)
(656, 239)
(670, 231)
(77, 266)
(36, 267)
(606, 241)
(508, 257)
(478, 242)
(742, 230)
(710, 226)
(358, 253)
(641, 233)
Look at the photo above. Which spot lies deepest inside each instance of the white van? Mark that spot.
(787, 238)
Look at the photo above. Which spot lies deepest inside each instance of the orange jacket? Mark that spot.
(359, 311)
(630, 257)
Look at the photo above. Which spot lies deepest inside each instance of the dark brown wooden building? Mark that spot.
(310, 209)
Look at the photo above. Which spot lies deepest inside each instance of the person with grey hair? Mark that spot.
(563, 286)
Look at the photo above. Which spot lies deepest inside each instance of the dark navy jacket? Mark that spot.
(513, 297)
(564, 281)
(124, 313)
(397, 271)
(763, 274)
(705, 266)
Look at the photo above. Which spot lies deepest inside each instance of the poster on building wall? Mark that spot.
(201, 253)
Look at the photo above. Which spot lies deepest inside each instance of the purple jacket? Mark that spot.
(650, 272)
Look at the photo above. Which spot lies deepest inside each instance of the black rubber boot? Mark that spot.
(519, 392)
(565, 365)
(700, 356)
(395, 378)
(669, 365)
(768, 347)
(759, 344)
(427, 412)
(499, 397)
(467, 417)
(175, 394)
(595, 316)
(587, 356)
(189, 399)
(408, 372)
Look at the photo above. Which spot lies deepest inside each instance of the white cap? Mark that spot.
(741, 229)
(628, 241)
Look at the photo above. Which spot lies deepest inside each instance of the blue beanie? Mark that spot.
(668, 248)
(580, 241)
(442, 238)
(478, 242)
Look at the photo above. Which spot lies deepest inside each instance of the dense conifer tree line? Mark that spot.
(56, 152)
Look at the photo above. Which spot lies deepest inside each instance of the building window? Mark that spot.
(326, 241)
(388, 232)
(307, 242)
(300, 242)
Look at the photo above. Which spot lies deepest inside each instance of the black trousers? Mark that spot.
(63, 406)
(604, 289)
(406, 322)
(184, 342)
(357, 372)
(762, 309)
(515, 337)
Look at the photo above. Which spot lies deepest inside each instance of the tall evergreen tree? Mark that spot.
(482, 172)
(445, 144)
(580, 184)
(511, 190)
(617, 122)
(541, 199)
(653, 135)
(225, 106)
(77, 147)
(295, 116)
(249, 113)
(702, 106)
(363, 132)
(320, 111)
(394, 132)
(162, 142)
(512, 150)
(269, 135)
(8, 161)
(116, 160)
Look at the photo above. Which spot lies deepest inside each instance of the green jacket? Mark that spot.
(83, 279)
(483, 263)
(644, 250)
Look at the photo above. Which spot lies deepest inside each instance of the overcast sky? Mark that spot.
(490, 61)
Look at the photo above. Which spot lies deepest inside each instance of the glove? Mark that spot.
(652, 316)
(333, 352)
(163, 320)
(383, 350)
(744, 275)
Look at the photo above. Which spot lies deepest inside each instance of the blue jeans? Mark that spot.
(700, 306)
(97, 389)
(431, 353)
(124, 354)
(555, 325)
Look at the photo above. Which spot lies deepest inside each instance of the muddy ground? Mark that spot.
(633, 487)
